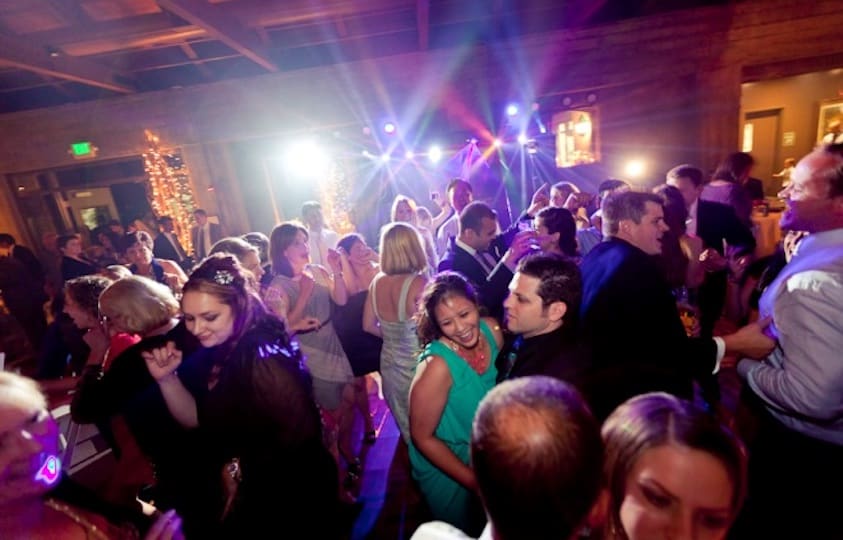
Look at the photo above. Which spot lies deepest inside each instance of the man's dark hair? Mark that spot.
(473, 214)
(559, 281)
(610, 185)
(626, 205)
(7, 239)
(200, 212)
(164, 219)
(835, 175)
(694, 174)
(455, 182)
(537, 455)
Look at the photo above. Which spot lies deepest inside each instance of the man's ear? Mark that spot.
(557, 310)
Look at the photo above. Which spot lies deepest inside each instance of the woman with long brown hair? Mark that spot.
(252, 400)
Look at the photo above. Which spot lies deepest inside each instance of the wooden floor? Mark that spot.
(392, 505)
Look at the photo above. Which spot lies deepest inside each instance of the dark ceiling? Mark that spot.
(54, 52)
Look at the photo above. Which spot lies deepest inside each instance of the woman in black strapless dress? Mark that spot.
(360, 265)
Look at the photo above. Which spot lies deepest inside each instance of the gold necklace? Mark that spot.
(92, 530)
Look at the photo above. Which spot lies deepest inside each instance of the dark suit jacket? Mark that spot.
(492, 288)
(216, 234)
(716, 223)
(628, 319)
(556, 354)
(163, 249)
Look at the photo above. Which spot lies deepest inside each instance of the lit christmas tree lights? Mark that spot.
(169, 189)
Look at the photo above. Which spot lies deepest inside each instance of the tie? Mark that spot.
(483, 258)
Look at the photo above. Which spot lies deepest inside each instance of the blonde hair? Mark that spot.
(401, 249)
(403, 199)
(138, 305)
(18, 390)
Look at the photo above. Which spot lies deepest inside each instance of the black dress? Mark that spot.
(362, 348)
(261, 411)
(127, 389)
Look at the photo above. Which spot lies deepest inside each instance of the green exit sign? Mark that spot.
(82, 149)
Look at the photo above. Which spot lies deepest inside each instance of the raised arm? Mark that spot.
(162, 364)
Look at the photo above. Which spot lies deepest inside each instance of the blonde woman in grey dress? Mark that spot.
(393, 297)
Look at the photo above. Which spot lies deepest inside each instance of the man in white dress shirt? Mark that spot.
(320, 238)
(797, 391)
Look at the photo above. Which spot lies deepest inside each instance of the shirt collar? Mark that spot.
(692, 211)
(471, 251)
(820, 240)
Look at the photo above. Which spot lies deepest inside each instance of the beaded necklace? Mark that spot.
(474, 356)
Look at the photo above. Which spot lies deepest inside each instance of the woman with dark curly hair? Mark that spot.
(455, 370)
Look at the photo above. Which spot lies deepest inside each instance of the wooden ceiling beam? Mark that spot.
(17, 52)
(423, 23)
(70, 10)
(219, 24)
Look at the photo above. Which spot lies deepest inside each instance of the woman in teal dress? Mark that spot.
(455, 371)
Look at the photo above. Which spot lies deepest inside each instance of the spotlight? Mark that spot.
(522, 139)
(384, 157)
(367, 154)
(434, 154)
(409, 154)
(497, 143)
(472, 141)
(634, 168)
(389, 128)
(542, 129)
(306, 159)
(511, 109)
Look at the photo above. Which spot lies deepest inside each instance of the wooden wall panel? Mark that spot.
(673, 79)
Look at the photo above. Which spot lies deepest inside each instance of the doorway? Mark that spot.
(761, 139)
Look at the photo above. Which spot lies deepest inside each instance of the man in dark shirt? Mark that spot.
(541, 311)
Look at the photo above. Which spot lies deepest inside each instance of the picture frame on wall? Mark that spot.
(830, 124)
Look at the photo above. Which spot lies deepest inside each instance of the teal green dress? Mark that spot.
(448, 500)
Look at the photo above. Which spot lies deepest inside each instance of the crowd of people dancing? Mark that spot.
(228, 382)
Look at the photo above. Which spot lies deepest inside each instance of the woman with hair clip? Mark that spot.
(454, 372)
(672, 471)
(253, 404)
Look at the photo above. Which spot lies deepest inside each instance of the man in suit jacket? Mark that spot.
(629, 318)
(481, 255)
(204, 235)
(167, 245)
(714, 224)
(541, 315)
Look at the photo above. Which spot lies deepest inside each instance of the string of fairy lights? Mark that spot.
(169, 188)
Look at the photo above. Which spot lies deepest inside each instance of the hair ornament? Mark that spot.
(223, 277)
